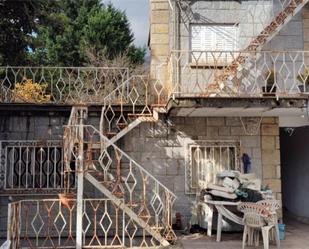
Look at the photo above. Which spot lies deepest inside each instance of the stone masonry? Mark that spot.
(270, 148)
(159, 38)
(162, 148)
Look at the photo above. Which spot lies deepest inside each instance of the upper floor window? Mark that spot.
(214, 43)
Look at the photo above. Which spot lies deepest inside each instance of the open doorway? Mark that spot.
(295, 172)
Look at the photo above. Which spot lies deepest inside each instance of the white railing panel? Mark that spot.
(258, 74)
(64, 85)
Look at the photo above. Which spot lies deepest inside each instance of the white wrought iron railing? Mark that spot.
(60, 85)
(128, 180)
(47, 223)
(35, 166)
(244, 73)
(137, 94)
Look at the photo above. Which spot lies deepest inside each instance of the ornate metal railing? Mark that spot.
(197, 73)
(47, 223)
(71, 138)
(127, 180)
(60, 85)
(34, 166)
(137, 93)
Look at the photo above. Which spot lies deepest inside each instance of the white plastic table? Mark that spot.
(222, 212)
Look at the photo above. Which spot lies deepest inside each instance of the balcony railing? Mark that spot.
(187, 73)
(239, 74)
(48, 223)
(60, 85)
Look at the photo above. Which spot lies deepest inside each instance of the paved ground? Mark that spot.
(297, 237)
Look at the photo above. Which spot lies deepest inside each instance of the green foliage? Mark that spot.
(18, 22)
(136, 55)
(108, 29)
(59, 33)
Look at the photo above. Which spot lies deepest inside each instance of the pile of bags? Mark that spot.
(234, 186)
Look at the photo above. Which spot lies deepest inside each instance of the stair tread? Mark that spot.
(274, 26)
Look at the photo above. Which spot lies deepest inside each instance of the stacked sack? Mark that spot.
(234, 186)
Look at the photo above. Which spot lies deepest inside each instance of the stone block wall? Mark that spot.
(29, 127)
(270, 151)
(159, 37)
(305, 23)
(162, 148)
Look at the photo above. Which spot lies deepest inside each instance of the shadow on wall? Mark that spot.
(163, 149)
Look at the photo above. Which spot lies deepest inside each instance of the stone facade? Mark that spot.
(159, 36)
(162, 148)
(270, 151)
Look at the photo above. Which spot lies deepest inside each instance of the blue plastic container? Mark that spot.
(281, 231)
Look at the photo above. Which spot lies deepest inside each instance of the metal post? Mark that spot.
(9, 221)
(80, 182)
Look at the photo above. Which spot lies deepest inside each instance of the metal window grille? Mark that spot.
(32, 165)
(207, 158)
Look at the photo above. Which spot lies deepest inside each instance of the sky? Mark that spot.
(138, 14)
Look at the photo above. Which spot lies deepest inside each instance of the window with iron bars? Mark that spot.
(33, 166)
(206, 159)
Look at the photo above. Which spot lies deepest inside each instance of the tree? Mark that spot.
(76, 26)
(108, 32)
(59, 34)
(17, 24)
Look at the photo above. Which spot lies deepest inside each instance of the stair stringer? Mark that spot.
(130, 127)
(126, 209)
(154, 117)
(232, 75)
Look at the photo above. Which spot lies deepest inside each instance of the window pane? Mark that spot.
(214, 38)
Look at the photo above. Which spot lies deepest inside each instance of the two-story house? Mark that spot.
(101, 158)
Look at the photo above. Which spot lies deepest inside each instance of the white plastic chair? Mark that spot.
(272, 206)
(256, 219)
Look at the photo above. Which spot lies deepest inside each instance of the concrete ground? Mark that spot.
(297, 237)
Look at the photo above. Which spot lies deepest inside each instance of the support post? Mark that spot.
(209, 219)
(9, 221)
(80, 182)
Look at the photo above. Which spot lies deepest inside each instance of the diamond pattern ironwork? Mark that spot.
(105, 160)
(60, 223)
(106, 222)
(37, 223)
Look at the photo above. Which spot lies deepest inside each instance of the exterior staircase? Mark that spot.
(230, 80)
(146, 202)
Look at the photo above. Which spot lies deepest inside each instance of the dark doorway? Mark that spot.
(295, 171)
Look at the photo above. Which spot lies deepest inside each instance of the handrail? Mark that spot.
(108, 144)
(252, 74)
(60, 85)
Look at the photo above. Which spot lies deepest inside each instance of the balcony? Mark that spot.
(279, 74)
(78, 85)
(59, 85)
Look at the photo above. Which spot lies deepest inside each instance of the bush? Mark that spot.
(31, 92)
